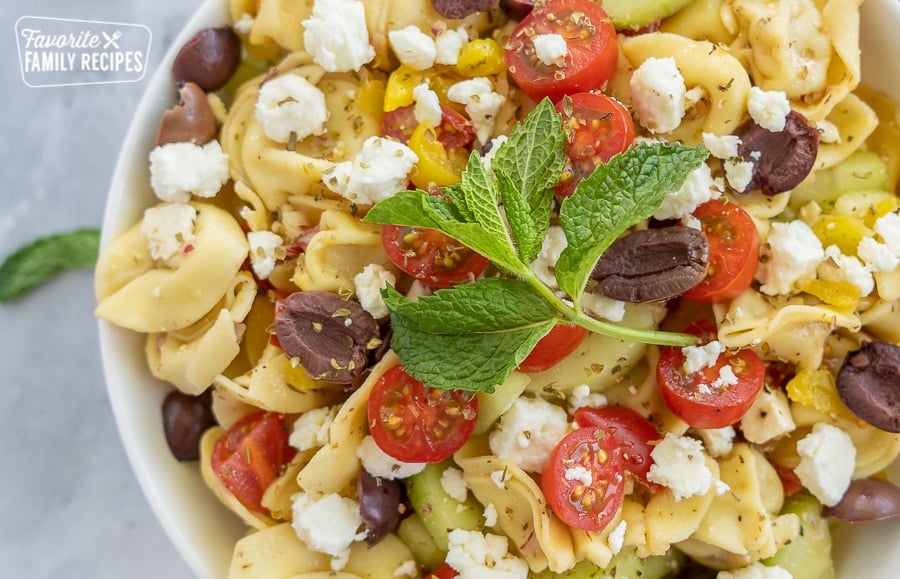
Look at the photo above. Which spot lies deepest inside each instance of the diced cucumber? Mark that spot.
(625, 563)
(635, 14)
(412, 531)
(492, 404)
(808, 556)
(441, 513)
(861, 171)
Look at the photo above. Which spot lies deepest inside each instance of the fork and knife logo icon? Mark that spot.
(111, 40)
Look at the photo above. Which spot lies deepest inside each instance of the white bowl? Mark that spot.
(205, 532)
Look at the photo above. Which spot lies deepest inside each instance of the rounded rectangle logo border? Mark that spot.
(56, 52)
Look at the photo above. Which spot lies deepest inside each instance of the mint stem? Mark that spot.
(576, 316)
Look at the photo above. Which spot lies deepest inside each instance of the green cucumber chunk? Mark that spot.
(861, 171)
(639, 13)
(625, 563)
(808, 556)
(440, 513)
(413, 533)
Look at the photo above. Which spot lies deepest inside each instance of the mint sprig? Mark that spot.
(473, 336)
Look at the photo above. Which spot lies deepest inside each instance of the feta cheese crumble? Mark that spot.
(481, 102)
(490, 515)
(658, 94)
(768, 108)
(616, 538)
(291, 107)
(603, 307)
(738, 173)
(794, 254)
(827, 461)
(582, 396)
(722, 147)
(717, 441)
(179, 170)
(877, 256)
(697, 358)
(679, 464)
(477, 555)
(413, 47)
(847, 268)
(168, 228)
(428, 107)
(378, 172)
(336, 35)
(551, 49)
(448, 45)
(528, 432)
(768, 418)
(756, 571)
(369, 282)
(454, 484)
(379, 463)
(888, 227)
(329, 525)
(544, 265)
(698, 188)
(311, 428)
(262, 252)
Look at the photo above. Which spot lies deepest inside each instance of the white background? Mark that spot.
(69, 503)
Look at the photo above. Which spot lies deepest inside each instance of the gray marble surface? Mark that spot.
(70, 505)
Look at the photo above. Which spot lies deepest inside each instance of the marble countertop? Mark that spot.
(70, 504)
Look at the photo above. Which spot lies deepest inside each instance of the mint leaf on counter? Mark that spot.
(625, 191)
(37, 262)
(472, 336)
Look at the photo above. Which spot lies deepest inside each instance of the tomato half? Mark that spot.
(414, 423)
(707, 398)
(591, 49)
(430, 256)
(443, 571)
(634, 435)
(250, 455)
(597, 127)
(455, 132)
(733, 251)
(584, 479)
(552, 348)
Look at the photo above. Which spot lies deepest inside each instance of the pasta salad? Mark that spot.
(521, 289)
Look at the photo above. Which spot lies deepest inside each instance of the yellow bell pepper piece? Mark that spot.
(842, 295)
(844, 231)
(399, 90)
(481, 57)
(816, 388)
(436, 166)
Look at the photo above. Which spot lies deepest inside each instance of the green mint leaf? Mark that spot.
(45, 258)
(404, 208)
(472, 362)
(483, 198)
(617, 195)
(527, 166)
(488, 305)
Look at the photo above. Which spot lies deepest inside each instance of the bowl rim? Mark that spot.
(206, 542)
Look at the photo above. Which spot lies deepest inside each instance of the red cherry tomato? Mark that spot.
(634, 435)
(430, 256)
(552, 348)
(443, 571)
(706, 398)
(455, 132)
(733, 251)
(591, 49)
(414, 423)
(789, 479)
(584, 479)
(250, 455)
(597, 127)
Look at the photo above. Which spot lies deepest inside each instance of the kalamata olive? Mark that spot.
(192, 120)
(185, 419)
(381, 505)
(652, 264)
(331, 336)
(517, 9)
(457, 9)
(867, 499)
(209, 58)
(782, 159)
(869, 384)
